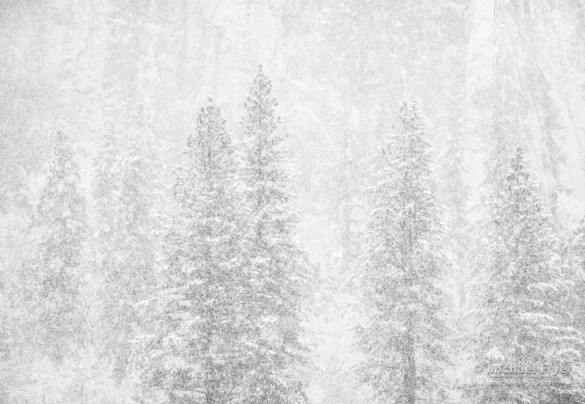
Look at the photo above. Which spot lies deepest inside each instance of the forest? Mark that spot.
(292, 202)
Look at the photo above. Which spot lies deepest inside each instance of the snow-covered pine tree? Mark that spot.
(105, 191)
(454, 190)
(129, 271)
(574, 254)
(524, 317)
(274, 264)
(62, 218)
(577, 274)
(198, 354)
(404, 334)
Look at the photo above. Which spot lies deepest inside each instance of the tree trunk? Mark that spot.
(410, 365)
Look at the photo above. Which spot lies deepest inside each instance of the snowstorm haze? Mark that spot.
(292, 202)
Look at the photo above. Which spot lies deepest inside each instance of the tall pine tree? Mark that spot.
(105, 191)
(61, 215)
(275, 270)
(198, 352)
(131, 245)
(404, 334)
(524, 317)
(577, 274)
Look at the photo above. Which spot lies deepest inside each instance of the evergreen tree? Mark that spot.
(573, 252)
(198, 353)
(523, 311)
(105, 191)
(275, 267)
(403, 337)
(61, 215)
(577, 257)
(455, 191)
(106, 172)
(132, 249)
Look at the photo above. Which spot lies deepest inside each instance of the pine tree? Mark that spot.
(198, 354)
(455, 191)
(132, 249)
(61, 215)
(275, 268)
(105, 191)
(577, 274)
(523, 313)
(403, 337)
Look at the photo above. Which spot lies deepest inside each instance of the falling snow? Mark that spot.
(292, 202)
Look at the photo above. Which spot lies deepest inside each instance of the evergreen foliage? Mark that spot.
(61, 216)
(404, 335)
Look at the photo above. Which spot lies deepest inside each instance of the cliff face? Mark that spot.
(524, 65)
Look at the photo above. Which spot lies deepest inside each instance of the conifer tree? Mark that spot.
(524, 317)
(61, 215)
(274, 264)
(404, 334)
(198, 353)
(106, 171)
(129, 271)
(454, 189)
(105, 191)
(577, 275)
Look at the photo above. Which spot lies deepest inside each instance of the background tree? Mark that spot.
(106, 188)
(132, 245)
(61, 216)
